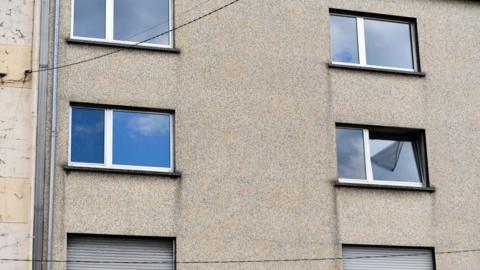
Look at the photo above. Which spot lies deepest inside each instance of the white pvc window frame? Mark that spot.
(109, 25)
(108, 142)
(362, 52)
(369, 171)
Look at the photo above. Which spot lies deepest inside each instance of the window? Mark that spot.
(383, 156)
(373, 41)
(85, 252)
(382, 258)
(117, 138)
(123, 21)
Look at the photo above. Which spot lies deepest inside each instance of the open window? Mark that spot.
(379, 155)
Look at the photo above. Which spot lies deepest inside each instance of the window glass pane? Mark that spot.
(88, 130)
(141, 139)
(350, 153)
(344, 39)
(138, 20)
(393, 160)
(388, 44)
(89, 18)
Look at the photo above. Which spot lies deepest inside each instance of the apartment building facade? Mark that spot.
(265, 135)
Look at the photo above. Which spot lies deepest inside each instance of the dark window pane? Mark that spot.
(138, 20)
(88, 129)
(350, 153)
(388, 44)
(393, 160)
(141, 139)
(344, 39)
(89, 18)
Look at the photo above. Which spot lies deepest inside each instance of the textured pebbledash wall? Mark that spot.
(255, 111)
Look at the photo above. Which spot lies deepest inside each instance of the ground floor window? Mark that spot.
(88, 252)
(357, 257)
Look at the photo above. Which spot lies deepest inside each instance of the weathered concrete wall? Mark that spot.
(256, 107)
(17, 123)
(16, 29)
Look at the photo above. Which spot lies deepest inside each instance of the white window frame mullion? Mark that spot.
(70, 126)
(108, 137)
(170, 24)
(109, 10)
(368, 161)
(362, 52)
(72, 17)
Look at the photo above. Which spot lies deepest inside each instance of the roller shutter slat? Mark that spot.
(421, 259)
(81, 249)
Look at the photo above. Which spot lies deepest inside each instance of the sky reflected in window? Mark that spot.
(344, 39)
(87, 143)
(89, 18)
(388, 44)
(350, 153)
(393, 161)
(137, 20)
(141, 139)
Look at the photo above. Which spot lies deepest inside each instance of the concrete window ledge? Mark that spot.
(373, 186)
(121, 45)
(69, 169)
(381, 70)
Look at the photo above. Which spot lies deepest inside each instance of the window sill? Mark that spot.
(69, 169)
(382, 70)
(121, 45)
(375, 186)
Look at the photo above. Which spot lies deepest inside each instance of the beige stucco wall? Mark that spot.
(255, 111)
(17, 131)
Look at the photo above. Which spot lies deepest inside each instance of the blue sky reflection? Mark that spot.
(344, 39)
(350, 153)
(388, 44)
(141, 139)
(87, 135)
(133, 17)
(89, 19)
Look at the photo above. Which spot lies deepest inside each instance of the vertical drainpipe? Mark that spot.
(53, 138)
(39, 192)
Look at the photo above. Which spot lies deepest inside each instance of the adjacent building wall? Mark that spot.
(17, 130)
(255, 112)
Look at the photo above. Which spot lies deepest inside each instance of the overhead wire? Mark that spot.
(140, 42)
(249, 261)
(29, 71)
(168, 20)
(203, 262)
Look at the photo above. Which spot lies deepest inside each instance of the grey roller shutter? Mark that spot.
(387, 258)
(119, 253)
